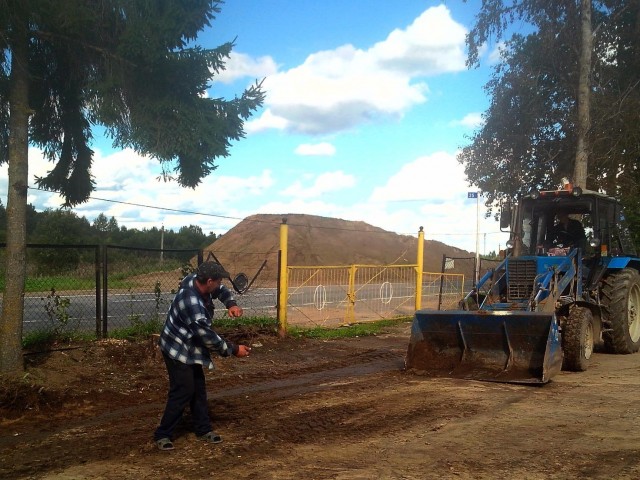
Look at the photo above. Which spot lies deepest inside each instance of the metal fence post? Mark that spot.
(283, 293)
(419, 268)
(444, 263)
(98, 290)
(105, 289)
(351, 295)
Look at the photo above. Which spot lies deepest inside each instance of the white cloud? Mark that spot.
(301, 205)
(265, 122)
(431, 191)
(336, 90)
(316, 149)
(432, 44)
(436, 177)
(127, 188)
(240, 65)
(497, 54)
(471, 120)
(39, 166)
(122, 169)
(324, 183)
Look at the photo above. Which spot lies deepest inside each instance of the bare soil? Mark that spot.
(317, 409)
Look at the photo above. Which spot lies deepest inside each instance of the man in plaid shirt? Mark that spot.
(185, 342)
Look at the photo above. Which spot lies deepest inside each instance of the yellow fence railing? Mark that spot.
(341, 295)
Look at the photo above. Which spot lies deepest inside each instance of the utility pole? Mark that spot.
(477, 269)
(477, 238)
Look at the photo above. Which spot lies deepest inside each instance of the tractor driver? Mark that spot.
(568, 232)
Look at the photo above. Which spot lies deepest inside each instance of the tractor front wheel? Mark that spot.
(577, 339)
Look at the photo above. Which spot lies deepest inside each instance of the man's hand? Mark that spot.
(235, 311)
(243, 351)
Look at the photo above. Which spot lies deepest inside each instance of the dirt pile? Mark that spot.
(316, 240)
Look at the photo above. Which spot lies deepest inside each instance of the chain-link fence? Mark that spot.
(442, 291)
(138, 284)
(97, 290)
(254, 278)
(100, 289)
(61, 289)
(93, 289)
(458, 278)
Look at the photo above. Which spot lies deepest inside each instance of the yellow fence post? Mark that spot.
(351, 295)
(419, 268)
(283, 293)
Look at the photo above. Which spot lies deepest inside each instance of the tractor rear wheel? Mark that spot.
(577, 339)
(621, 313)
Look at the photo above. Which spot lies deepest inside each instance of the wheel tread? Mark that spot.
(574, 337)
(615, 291)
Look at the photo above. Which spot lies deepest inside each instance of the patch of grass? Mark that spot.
(41, 339)
(138, 329)
(60, 282)
(121, 273)
(347, 331)
(84, 278)
(258, 322)
(38, 339)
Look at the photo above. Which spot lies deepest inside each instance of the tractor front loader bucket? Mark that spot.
(505, 346)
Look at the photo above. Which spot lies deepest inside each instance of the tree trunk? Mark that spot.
(11, 361)
(584, 84)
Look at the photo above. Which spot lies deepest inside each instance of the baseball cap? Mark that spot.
(211, 270)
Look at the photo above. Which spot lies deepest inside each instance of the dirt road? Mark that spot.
(314, 409)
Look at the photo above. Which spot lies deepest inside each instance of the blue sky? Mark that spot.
(367, 103)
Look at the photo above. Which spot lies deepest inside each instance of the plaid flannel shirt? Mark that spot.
(187, 335)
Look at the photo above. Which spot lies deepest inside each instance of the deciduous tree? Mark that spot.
(59, 227)
(531, 135)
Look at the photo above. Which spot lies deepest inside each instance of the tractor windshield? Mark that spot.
(553, 227)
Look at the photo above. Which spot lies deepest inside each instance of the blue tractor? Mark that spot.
(569, 284)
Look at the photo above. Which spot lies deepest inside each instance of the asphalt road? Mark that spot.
(123, 309)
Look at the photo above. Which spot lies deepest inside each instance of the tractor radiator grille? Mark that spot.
(521, 275)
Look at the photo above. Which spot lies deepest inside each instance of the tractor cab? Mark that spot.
(552, 223)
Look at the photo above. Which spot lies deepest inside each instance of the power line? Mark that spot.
(226, 217)
(167, 209)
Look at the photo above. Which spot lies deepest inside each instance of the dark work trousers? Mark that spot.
(186, 387)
